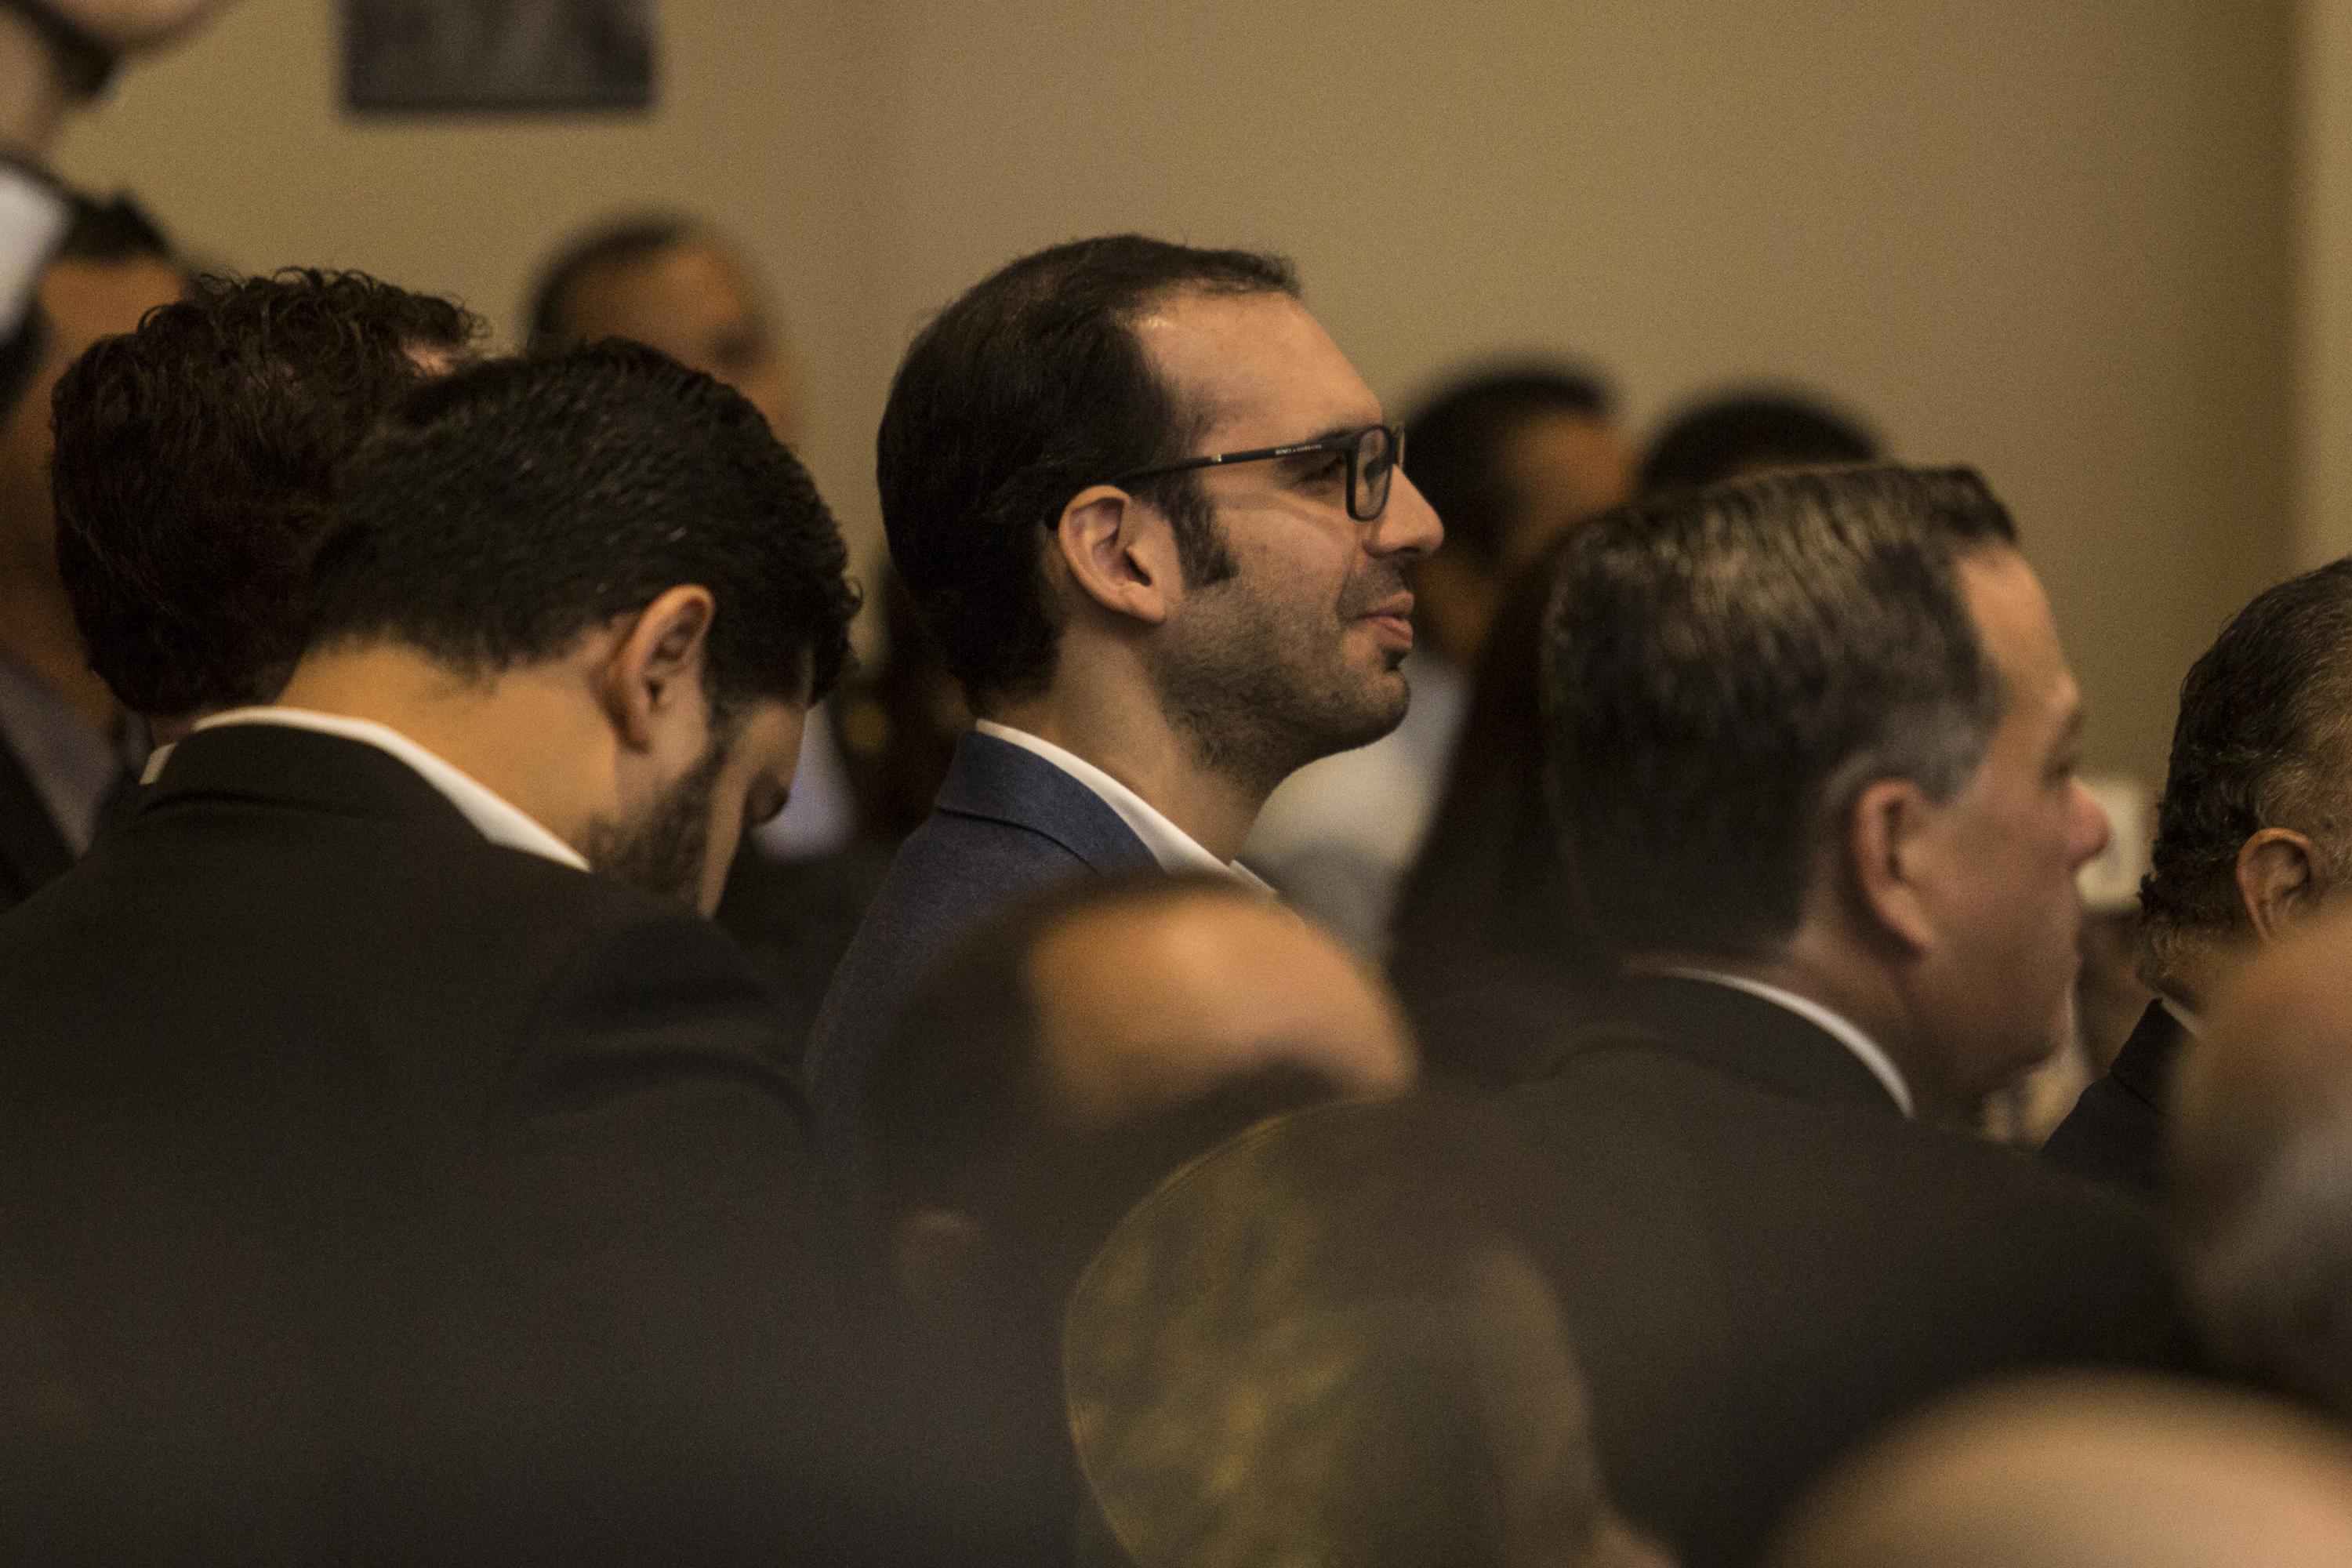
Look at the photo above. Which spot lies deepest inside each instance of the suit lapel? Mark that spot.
(33, 853)
(997, 780)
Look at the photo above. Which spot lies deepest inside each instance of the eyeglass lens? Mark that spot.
(1375, 465)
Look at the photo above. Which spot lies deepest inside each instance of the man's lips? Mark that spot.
(1392, 621)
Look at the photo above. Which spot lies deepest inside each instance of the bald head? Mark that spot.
(1146, 1005)
(2087, 1474)
(1309, 1346)
(1080, 1045)
(2262, 1157)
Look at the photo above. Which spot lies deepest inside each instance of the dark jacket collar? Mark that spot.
(32, 851)
(2144, 1067)
(278, 764)
(1746, 1036)
(997, 780)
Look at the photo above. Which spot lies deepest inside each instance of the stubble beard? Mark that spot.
(663, 851)
(1259, 694)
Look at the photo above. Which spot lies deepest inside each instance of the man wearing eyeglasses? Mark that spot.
(1158, 526)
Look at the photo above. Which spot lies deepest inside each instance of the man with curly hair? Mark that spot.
(2251, 836)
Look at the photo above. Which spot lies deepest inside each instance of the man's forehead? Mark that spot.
(1258, 369)
(2013, 619)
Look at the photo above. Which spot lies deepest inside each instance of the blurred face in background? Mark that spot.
(695, 302)
(1562, 467)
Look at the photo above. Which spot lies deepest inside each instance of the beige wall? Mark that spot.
(2049, 240)
(2323, 268)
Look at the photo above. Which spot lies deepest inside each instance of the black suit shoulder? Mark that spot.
(2115, 1132)
(1761, 1267)
(33, 853)
(348, 1155)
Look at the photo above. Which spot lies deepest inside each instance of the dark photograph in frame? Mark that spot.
(461, 57)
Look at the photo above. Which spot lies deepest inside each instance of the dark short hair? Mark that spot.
(2264, 740)
(195, 459)
(1726, 669)
(1458, 443)
(112, 232)
(1022, 393)
(504, 512)
(1733, 434)
(957, 1098)
(622, 243)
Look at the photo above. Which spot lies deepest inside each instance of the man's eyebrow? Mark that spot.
(1353, 427)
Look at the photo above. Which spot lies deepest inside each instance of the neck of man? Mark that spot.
(1103, 707)
(533, 736)
(37, 631)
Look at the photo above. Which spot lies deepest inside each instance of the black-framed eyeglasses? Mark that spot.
(1375, 453)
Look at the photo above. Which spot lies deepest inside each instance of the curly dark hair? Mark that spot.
(503, 511)
(1022, 393)
(2259, 743)
(195, 459)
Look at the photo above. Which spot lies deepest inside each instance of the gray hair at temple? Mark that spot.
(1724, 670)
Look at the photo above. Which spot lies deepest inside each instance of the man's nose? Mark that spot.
(2092, 825)
(1409, 525)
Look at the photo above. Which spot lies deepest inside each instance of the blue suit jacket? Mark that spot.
(1006, 820)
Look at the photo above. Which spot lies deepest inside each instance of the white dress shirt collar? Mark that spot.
(2184, 1017)
(1175, 849)
(497, 819)
(1837, 1027)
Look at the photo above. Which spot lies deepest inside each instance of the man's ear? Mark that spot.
(657, 663)
(1889, 850)
(1120, 552)
(2279, 880)
(937, 1256)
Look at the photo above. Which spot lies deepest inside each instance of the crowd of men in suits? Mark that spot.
(398, 1161)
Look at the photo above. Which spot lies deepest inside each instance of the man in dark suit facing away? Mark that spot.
(1156, 522)
(1814, 742)
(2250, 841)
(396, 1160)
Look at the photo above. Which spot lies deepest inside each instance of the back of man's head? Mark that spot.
(195, 459)
(1080, 1046)
(1308, 1347)
(504, 512)
(1027, 389)
(1743, 434)
(2086, 1473)
(1460, 444)
(2263, 741)
(2261, 1161)
(1724, 670)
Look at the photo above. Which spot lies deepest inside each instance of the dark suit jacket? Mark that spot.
(1006, 821)
(33, 853)
(372, 1191)
(1761, 1262)
(2115, 1132)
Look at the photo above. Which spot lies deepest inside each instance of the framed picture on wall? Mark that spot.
(458, 57)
